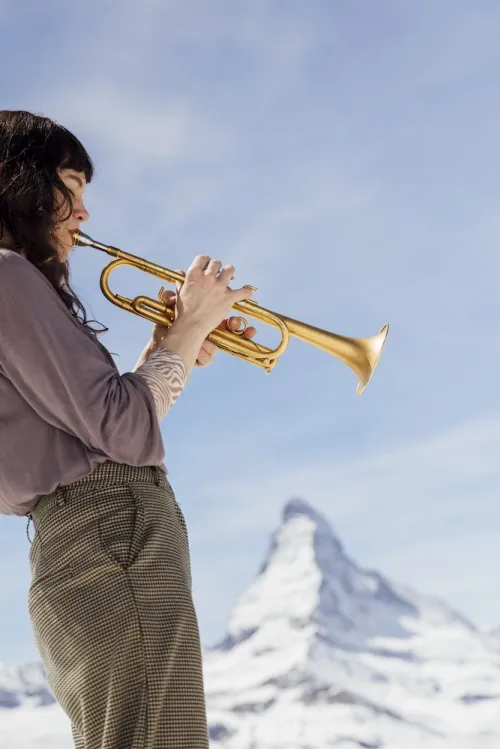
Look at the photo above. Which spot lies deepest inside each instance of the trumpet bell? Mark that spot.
(360, 354)
(366, 355)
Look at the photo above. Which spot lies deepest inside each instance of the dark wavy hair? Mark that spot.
(32, 149)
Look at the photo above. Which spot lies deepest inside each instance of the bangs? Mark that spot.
(66, 152)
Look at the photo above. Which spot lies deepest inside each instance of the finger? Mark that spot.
(213, 267)
(178, 284)
(226, 274)
(209, 348)
(241, 295)
(234, 323)
(204, 359)
(168, 297)
(158, 333)
(200, 262)
(224, 325)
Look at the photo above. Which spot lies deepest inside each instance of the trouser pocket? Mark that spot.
(121, 524)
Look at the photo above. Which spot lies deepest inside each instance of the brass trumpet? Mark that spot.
(360, 354)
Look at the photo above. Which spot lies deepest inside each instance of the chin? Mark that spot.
(62, 256)
(63, 251)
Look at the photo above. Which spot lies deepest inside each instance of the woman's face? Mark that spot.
(63, 230)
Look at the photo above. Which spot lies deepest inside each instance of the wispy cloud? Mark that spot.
(150, 134)
(419, 487)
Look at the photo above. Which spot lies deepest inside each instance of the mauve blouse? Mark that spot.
(64, 406)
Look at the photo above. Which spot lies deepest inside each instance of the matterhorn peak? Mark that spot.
(307, 581)
(301, 524)
(299, 508)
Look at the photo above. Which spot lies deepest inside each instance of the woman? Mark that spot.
(81, 455)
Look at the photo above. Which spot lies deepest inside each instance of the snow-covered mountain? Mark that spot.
(320, 653)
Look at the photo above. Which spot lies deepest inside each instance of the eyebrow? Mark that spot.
(78, 179)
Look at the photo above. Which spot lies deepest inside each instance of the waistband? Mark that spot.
(106, 474)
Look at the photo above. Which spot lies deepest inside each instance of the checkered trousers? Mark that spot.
(112, 613)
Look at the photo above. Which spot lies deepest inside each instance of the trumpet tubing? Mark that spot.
(360, 354)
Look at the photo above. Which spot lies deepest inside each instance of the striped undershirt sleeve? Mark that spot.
(166, 376)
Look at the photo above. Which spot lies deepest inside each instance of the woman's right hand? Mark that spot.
(204, 299)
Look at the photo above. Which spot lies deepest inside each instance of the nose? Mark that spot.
(80, 212)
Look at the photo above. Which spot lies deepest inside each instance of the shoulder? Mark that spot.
(10, 256)
(14, 267)
(11, 261)
(21, 280)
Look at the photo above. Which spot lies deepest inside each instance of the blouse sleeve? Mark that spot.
(63, 375)
(166, 376)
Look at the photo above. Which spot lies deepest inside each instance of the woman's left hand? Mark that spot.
(208, 349)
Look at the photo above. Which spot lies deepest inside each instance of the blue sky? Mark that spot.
(344, 156)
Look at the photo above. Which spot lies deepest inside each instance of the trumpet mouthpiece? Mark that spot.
(83, 240)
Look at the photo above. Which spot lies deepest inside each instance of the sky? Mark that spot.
(344, 157)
